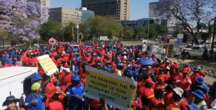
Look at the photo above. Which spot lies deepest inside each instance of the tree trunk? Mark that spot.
(195, 40)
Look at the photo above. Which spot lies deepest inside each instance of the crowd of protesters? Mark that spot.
(161, 83)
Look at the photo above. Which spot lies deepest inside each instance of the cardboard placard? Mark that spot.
(115, 90)
(47, 64)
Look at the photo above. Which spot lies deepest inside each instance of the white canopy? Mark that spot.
(11, 79)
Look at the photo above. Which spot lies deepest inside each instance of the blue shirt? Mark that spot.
(39, 105)
(77, 90)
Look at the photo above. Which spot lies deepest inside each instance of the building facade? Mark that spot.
(43, 8)
(66, 16)
(143, 22)
(86, 14)
(118, 9)
(45, 4)
(154, 12)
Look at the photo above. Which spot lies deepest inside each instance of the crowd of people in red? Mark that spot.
(161, 83)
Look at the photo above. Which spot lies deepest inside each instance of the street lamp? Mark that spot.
(148, 29)
(77, 27)
(213, 36)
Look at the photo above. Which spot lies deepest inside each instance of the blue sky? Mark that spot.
(139, 8)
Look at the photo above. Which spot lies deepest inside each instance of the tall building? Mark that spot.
(86, 14)
(45, 4)
(43, 9)
(154, 12)
(65, 16)
(143, 22)
(116, 8)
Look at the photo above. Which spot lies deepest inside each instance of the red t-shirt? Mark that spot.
(169, 98)
(185, 83)
(55, 105)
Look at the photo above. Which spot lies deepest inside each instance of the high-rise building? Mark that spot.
(65, 16)
(45, 4)
(154, 12)
(143, 22)
(43, 8)
(116, 8)
(86, 14)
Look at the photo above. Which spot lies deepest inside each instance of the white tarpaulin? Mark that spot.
(11, 79)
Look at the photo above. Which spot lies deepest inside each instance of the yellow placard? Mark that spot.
(115, 90)
(47, 64)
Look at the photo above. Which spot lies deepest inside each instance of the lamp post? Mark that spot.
(213, 36)
(213, 39)
(77, 27)
(148, 29)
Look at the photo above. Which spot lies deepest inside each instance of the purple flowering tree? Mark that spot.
(23, 18)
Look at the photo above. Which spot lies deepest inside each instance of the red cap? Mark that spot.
(161, 78)
(175, 65)
(149, 93)
(187, 70)
(150, 81)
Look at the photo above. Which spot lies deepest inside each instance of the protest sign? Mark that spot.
(47, 64)
(115, 90)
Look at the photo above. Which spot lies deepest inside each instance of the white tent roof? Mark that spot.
(11, 79)
(10, 72)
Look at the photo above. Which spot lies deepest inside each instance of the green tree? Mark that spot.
(4, 35)
(103, 26)
(51, 29)
(69, 32)
(85, 30)
(128, 33)
(140, 31)
(155, 30)
(150, 31)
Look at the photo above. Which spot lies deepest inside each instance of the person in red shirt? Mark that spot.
(55, 104)
(50, 90)
(161, 85)
(179, 103)
(168, 98)
(66, 81)
(186, 82)
(147, 90)
(66, 58)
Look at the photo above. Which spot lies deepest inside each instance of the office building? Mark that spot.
(118, 9)
(65, 16)
(43, 8)
(143, 22)
(86, 14)
(154, 12)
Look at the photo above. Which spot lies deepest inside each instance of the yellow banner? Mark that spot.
(47, 64)
(115, 90)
